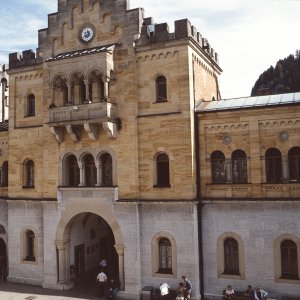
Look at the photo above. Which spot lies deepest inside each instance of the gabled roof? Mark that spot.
(248, 102)
(83, 52)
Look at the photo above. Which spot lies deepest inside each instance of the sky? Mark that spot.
(248, 35)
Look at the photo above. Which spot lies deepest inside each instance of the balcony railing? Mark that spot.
(89, 111)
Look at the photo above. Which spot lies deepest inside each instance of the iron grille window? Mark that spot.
(273, 166)
(29, 174)
(294, 164)
(30, 237)
(106, 169)
(162, 169)
(161, 89)
(218, 167)
(90, 170)
(231, 257)
(165, 256)
(74, 172)
(31, 105)
(289, 260)
(239, 166)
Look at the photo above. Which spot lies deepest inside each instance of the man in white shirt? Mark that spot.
(164, 289)
(102, 279)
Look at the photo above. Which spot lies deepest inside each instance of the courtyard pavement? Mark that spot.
(16, 291)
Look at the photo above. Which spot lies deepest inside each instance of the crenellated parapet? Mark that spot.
(27, 58)
(152, 33)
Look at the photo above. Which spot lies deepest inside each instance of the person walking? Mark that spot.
(102, 280)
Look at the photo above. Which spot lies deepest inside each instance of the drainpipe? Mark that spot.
(199, 204)
(198, 192)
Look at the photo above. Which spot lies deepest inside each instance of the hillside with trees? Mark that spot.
(284, 78)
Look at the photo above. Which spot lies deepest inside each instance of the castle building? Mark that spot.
(111, 152)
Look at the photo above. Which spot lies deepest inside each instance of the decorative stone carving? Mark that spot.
(58, 133)
(72, 132)
(111, 129)
(283, 136)
(226, 139)
(92, 130)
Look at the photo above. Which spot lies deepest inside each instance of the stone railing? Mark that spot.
(89, 111)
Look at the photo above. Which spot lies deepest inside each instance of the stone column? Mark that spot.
(99, 175)
(120, 250)
(52, 105)
(62, 247)
(285, 168)
(228, 170)
(81, 174)
(106, 91)
(87, 92)
(69, 85)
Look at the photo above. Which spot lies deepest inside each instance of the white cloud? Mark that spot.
(249, 35)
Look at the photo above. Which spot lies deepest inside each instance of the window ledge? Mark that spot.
(289, 281)
(160, 101)
(28, 187)
(230, 276)
(29, 262)
(161, 186)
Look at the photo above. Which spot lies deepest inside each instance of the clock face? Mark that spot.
(87, 34)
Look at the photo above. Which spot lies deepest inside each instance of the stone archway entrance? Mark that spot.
(84, 240)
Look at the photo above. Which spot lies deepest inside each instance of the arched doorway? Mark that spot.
(85, 240)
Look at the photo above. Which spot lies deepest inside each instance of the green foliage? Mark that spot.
(284, 78)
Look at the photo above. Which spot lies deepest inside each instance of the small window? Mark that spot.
(273, 166)
(4, 174)
(162, 170)
(29, 175)
(30, 243)
(165, 256)
(231, 257)
(239, 166)
(294, 164)
(106, 169)
(218, 167)
(161, 89)
(289, 260)
(31, 105)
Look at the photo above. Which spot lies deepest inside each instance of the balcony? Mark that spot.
(88, 116)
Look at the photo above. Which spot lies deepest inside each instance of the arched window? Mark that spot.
(73, 172)
(60, 91)
(162, 170)
(90, 171)
(4, 174)
(106, 169)
(218, 167)
(165, 256)
(239, 166)
(78, 93)
(294, 164)
(161, 89)
(29, 174)
(231, 257)
(96, 87)
(289, 260)
(273, 166)
(30, 245)
(30, 105)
